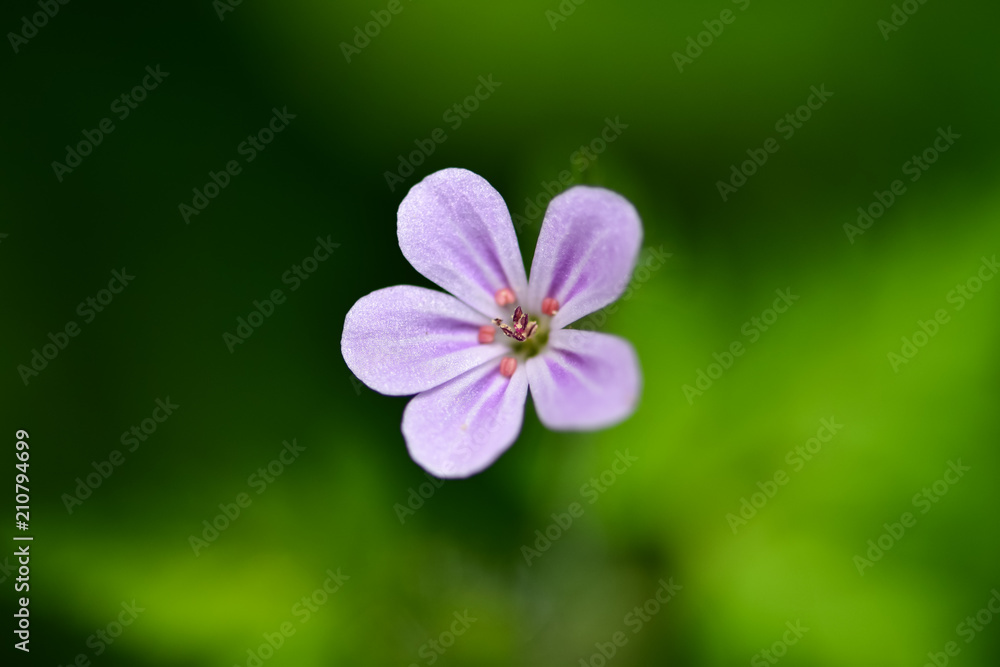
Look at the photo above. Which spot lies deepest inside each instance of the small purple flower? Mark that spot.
(472, 385)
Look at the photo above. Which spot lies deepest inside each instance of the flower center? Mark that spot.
(530, 335)
(522, 329)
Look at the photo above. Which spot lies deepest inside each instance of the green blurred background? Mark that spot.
(338, 504)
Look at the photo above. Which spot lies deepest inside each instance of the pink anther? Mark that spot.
(505, 296)
(507, 366)
(550, 306)
(487, 334)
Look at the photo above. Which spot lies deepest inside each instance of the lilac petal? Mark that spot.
(461, 427)
(403, 340)
(455, 229)
(586, 250)
(584, 380)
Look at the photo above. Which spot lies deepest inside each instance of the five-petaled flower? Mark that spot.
(471, 384)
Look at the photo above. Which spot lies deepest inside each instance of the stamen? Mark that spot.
(520, 319)
(550, 306)
(487, 334)
(522, 329)
(507, 366)
(507, 331)
(505, 296)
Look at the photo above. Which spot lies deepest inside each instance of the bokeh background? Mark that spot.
(337, 506)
